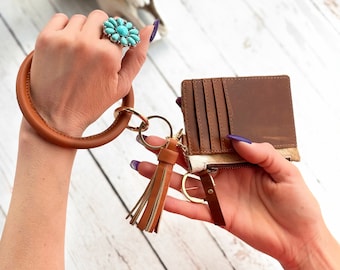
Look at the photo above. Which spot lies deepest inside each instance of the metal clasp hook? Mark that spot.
(185, 192)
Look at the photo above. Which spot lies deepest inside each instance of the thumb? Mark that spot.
(265, 156)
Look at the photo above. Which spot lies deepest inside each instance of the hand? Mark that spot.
(268, 206)
(77, 73)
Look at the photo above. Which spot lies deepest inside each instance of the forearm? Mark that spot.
(33, 236)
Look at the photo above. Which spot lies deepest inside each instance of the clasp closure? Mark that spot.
(185, 189)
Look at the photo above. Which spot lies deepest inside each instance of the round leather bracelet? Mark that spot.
(23, 91)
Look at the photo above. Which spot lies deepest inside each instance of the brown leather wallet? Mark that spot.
(258, 108)
(54, 136)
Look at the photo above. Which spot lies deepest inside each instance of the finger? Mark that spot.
(191, 210)
(75, 23)
(157, 141)
(93, 27)
(265, 155)
(57, 22)
(193, 186)
(154, 141)
(134, 59)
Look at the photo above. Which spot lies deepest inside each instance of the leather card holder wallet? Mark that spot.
(258, 108)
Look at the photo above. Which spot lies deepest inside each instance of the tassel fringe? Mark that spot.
(151, 203)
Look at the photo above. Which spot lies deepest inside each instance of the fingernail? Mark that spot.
(138, 139)
(238, 138)
(179, 102)
(134, 164)
(155, 29)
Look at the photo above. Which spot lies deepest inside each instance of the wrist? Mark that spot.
(321, 253)
(63, 124)
(30, 140)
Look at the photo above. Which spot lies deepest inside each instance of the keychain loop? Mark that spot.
(145, 121)
(142, 128)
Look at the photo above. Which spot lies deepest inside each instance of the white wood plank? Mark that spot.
(98, 236)
(73, 6)
(187, 52)
(21, 25)
(330, 9)
(10, 114)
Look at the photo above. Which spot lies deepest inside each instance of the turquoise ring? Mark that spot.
(121, 32)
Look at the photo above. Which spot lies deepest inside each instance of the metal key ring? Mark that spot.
(142, 128)
(145, 121)
(184, 190)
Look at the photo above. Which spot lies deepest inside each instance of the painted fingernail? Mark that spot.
(238, 138)
(179, 102)
(155, 29)
(134, 164)
(138, 139)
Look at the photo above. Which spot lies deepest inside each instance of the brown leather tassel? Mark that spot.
(153, 198)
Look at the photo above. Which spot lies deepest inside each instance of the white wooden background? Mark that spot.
(206, 39)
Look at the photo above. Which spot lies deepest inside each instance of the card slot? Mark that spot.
(189, 111)
(214, 134)
(201, 116)
(222, 114)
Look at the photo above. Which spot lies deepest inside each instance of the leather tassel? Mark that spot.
(151, 203)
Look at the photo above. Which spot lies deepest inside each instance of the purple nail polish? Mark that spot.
(139, 140)
(179, 101)
(238, 138)
(155, 29)
(134, 164)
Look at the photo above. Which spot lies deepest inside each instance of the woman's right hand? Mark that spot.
(268, 206)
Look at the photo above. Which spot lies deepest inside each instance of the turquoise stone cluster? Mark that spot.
(121, 31)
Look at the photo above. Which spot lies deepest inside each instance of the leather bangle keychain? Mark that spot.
(54, 136)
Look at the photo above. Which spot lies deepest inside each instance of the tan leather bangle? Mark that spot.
(54, 136)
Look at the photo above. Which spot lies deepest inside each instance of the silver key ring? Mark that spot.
(142, 128)
(144, 119)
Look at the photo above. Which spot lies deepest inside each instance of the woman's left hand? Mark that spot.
(77, 73)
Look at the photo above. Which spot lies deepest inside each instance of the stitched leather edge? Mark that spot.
(54, 136)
